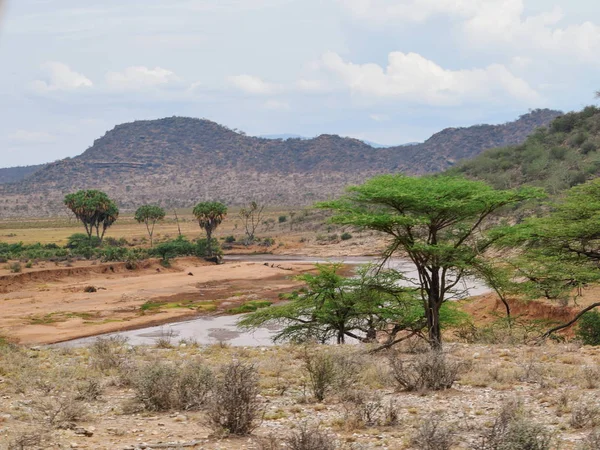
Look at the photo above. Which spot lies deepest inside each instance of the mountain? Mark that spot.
(285, 137)
(12, 174)
(555, 158)
(178, 161)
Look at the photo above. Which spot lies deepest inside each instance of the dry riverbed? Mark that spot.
(51, 303)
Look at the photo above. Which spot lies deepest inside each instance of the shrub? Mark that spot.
(193, 386)
(321, 370)
(512, 431)
(89, 390)
(589, 328)
(250, 306)
(234, 405)
(59, 411)
(346, 236)
(23, 440)
(154, 386)
(81, 245)
(591, 442)
(203, 250)
(310, 438)
(15, 267)
(162, 386)
(230, 239)
(588, 147)
(430, 370)
(584, 415)
(108, 353)
(282, 219)
(433, 435)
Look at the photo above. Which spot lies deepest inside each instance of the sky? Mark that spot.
(388, 71)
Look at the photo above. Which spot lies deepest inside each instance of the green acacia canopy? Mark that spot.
(439, 222)
(149, 215)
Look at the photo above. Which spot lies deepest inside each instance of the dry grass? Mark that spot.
(96, 387)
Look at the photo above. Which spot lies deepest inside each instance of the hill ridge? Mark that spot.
(176, 161)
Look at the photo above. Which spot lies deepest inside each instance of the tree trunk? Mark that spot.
(209, 242)
(433, 324)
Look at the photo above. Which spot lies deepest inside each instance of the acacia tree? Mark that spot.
(560, 253)
(94, 209)
(150, 215)
(332, 306)
(251, 217)
(209, 216)
(439, 222)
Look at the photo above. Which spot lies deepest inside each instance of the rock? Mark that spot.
(74, 445)
(88, 432)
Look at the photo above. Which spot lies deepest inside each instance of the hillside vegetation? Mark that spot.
(556, 158)
(179, 161)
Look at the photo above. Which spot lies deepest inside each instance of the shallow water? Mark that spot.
(210, 330)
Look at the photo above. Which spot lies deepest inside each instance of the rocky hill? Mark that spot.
(13, 174)
(178, 161)
(556, 158)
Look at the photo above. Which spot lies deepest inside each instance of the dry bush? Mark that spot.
(20, 370)
(234, 406)
(310, 438)
(590, 376)
(363, 409)
(433, 435)
(108, 353)
(305, 437)
(165, 340)
(329, 371)
(28, 439)
(584, 415)
(322, 373)
(591, 442)
(89, 390)
(162, 386)
(193, 386)
(512, 431)
(59, 411)
(429, 371)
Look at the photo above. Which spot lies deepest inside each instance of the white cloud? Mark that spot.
(31, 137)
(253, 85)
(311, 85)
(140, 77)
(490, 22)
(60, 77)
(379, 117)
(277, 105)
(413, 78)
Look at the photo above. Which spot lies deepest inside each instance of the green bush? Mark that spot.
(589, 328)
(282, 219)
(346, 236)
(79, 240)
(174, 248)
(15, 267)
(202, 248)
(230, 239)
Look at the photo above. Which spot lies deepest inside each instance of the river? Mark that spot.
(216, 329)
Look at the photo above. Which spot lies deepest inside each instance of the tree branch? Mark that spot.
(571, 322)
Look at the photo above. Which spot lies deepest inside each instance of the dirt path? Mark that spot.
(52, 305)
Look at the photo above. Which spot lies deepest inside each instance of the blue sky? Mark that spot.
(389, 71)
